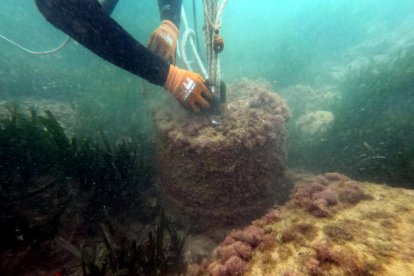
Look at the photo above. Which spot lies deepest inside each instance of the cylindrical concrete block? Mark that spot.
(223, 176)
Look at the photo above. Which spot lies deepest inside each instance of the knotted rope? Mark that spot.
(212, 24)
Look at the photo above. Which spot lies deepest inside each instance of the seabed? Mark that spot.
(332, 225)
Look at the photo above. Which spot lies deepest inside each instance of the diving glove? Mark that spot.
(163, 41)
(188, 88)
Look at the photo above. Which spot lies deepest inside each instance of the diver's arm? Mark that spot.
(170, 10)
(86, 22)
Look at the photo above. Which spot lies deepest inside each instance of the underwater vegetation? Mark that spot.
(371, 134)
(158, 252)
(373, 129)
(46, 178)
(56, 186)
(36, 145)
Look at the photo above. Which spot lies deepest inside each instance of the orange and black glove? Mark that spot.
(188, 88)
(163, 41)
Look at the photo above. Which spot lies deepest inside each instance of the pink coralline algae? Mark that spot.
(252, 235)
(330, 196)
(326, 256)
(236, 249)
(333, 176)
(326, 191)
(235, 266)
(217, 269)
(352, 193)
(270, 217)
(288, 235)
(318, 208)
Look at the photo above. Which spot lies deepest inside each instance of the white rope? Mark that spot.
(212, 24)
(54, 50)
(188, 36)
(220, 11)
(184, 40)
(207, 16)
(208, 26)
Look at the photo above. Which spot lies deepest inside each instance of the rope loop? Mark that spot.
(47, 52)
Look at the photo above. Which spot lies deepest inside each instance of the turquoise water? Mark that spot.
(319, 45)
(280, 39)
(345, 67)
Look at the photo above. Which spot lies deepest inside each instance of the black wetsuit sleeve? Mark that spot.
(171, 10)
(86, 22)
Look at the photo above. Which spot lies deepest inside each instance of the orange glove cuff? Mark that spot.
(170, 29)
(188, 88)
(172, 79)
(163, 41)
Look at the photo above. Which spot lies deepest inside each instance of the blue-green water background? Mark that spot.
(345, 47)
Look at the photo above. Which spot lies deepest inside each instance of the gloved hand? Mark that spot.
(163, 41)
(188, 88)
